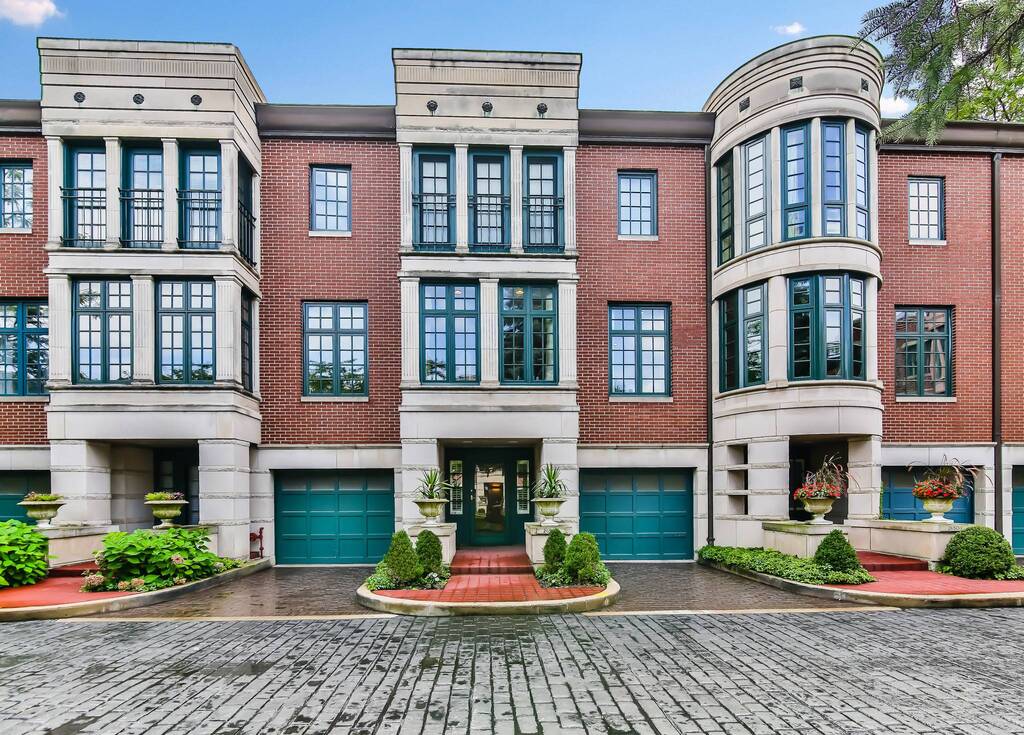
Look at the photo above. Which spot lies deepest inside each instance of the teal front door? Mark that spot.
(490, 500)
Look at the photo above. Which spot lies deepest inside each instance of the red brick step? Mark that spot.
(494, 560)
(875, 562)
(74, 570)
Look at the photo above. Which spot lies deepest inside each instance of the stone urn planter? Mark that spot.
(818, 507)
(938, 507)
(42, 511)
(548, 508)
(166, 511)
(430, 509)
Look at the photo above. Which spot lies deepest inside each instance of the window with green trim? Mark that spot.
(924, 351)
(103, 331)
(826, 322)
(638, 203)
(925, 216)
(638, 351)
(142, 198)
(200, 199)
(186, 314)
(489, 200)
(247, 340)
(861, 154)
(24, 348)
(84, 196)
(726, 212)
(796, 215)
(543, 205)
(450, 318)
(742, 318)
(335, 339)
(529, 333)
(755, 190)
(330, 199)
(833, 165)
(15, 195)
(433, 199)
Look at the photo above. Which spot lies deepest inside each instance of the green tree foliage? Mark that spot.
(401, 559)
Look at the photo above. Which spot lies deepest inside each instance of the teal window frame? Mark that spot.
(112, 319)
(84, 192)
(631, 202)
(528, 314)
(320, 193)
(485, 206)
(248, 336)
(16, 192)
(743, 333)
(795, 182)
(726, 209)
(420, 157)
(349, 333)
(914, 194)
(458, 341)
(24, 347)
(757, 187)
(142, 202)
(862, 178)
(634, 353)
(833, 164)
(828, 311)
(203, 201)
(912, 340)
(546, 205)
(186, 310)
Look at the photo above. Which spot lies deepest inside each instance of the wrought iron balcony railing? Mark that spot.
(85, 217)
(142, 218)
(488, 217)
(434, 215)
(246, 233)
(199, 217)
(543, 222)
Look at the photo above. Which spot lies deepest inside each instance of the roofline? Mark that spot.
(967, 134)
(20, 117)
(401, 51)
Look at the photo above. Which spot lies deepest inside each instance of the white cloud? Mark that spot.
(894, 106)
(28, 12)
(790, 29)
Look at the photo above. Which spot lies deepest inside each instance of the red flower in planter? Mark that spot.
(817, 490)
(935, 488)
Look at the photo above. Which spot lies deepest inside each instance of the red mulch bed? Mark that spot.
(52, 591)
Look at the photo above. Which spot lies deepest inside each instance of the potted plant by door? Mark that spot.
(42, 507)
(939, 489)
(432, 491)
(166, 506)
(821, 489)
(549, 494)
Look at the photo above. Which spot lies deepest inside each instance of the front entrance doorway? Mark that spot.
(490, 501)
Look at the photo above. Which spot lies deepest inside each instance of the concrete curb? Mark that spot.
(116, 604)
(887, 599)
(425, 608)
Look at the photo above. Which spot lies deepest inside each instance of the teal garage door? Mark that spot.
(899, 503)
(1017, 523)
(641, 514)
(13, 488)
(333, 517)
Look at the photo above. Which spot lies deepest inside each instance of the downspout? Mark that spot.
(997, 337)
(709, 430)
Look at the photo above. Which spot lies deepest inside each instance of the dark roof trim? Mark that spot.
(964, 135)
(643, 126)
(326, 121)
(20, 116)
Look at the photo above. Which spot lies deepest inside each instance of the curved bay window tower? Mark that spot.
(795, 276)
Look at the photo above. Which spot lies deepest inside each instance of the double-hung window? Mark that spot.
(529, 333)
(726, 211)
(247, 340)
(542, 202)
(142, 199)
(434, 199)
(638, 352)
(755, 191)
(451, 332)
(200, 199)
(742, 316)
(24, 348)
(103, 331)
(861, 156)
(488, 200)
(833, 166)
(330, 199)
(186, 314)
(85, 197)
(796, 217)
(335, 338)
(925, 216)
(826, 321)
(638, 203)
(15, 195)
(924, 351)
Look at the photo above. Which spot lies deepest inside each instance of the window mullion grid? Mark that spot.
(336, 334)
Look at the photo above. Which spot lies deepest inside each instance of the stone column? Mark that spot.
(143, 329)
(773, 165)
(255, 346)
(515, 197)
(490, 339)
(80, 471)
(410, 295)
(461, 197)
(113, 157)
(864, 465)
(567, 333)
(778, 331)
(228, 327)
(224, 493)
(569, 197)
(257, 211)
(405, 192)
(815, 191)
(562, 454)
(59, 287)
(170, 181)
(229, 195)
(55, 180)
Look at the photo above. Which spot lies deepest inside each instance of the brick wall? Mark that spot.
(671, 270)
(1012, 202)
(298, 268)
(22, 259)
(957, 275)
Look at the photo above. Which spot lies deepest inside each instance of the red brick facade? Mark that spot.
(22, 259)
(1012, 240)
(298, 268)
(671, 270)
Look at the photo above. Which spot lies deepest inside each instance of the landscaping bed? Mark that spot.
(834, 563)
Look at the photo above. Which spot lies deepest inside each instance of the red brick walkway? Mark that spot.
(52, 591)
(499, 574)
(933, 583)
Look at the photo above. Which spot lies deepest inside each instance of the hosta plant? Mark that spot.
(22, 554)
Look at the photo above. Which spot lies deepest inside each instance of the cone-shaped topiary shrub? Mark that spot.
(401, 559)
(583, 561)
(554, 550)
(428, 549)
(835, 551)
(978, 552)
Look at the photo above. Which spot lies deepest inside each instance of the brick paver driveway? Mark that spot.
(816, 672)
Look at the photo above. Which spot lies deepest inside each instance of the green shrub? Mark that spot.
(401, 560)
(777, 564)
(381, 579)
(836, 552)
(554, 550)
(428, 549)
(978, 552)
(22, 554)
(582, 565)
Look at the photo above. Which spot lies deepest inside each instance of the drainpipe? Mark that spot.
(997, 336)
(709, 431)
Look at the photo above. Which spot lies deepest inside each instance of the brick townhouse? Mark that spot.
(288, 312)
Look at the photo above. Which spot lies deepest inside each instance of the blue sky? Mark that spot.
(646, 54)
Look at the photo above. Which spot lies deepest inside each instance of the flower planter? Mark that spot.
(430, 509)
(938, 507)
(548, 508)
(42, 511)
(818, 507)
(166, 511)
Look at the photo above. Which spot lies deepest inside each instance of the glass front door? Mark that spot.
(491, 498)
